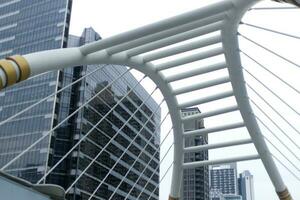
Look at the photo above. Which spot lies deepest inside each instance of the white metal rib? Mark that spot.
(192, 165)
(195, 72)
(201, 13)
(216, 146)
(175, 39)
(206, 99)
(203, 85)
(192, 58)
(165, 34)
(183, 48)
(210, 113)
(202, 132)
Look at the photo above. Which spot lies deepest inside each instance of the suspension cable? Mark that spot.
(120, 157)
(298, 178)
(266, 87)
(82, 173)
(151, 174)
(111, 123)
(88, 133)
(266, 69)
(136, 106)
(280, 115)
(269, 50)
(51, 95)
(272, 132)
(161, 180)
(281, 153)
(270, 30)
(153, 156)
(274, 123)
(274, 8)
(63, 121)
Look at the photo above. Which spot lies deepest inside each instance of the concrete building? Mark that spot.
(195, 184)
(246, 187)
(224, 178)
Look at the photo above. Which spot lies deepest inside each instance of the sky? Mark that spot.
(111, 17)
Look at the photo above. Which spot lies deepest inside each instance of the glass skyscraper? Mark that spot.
(34, 25)
(195, 181)
(246, 185)
(27, 26)
(144, 122)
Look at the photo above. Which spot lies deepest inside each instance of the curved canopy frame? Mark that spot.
(128, 49)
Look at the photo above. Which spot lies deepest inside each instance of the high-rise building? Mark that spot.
(27, 26)
(246, 187)
(232, 197)
(195, 184)
(215, 194)
(224, 178)
(144, 122)
(33, 25)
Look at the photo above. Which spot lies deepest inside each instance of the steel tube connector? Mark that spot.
(13, 70)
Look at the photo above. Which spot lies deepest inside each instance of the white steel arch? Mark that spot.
(126, 49)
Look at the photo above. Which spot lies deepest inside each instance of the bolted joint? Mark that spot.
(15, 69)
(284, 195)
(173, 198)
(294, 2)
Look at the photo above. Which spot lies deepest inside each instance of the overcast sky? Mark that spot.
(114, 16)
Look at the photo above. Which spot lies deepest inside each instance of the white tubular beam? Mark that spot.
(216, 146)
(195, 72)
(201, 13)
(202, 132)
(165, 34)
(175, 39)
(199, 86)
(230, 43)
(193, 165)
(206, 99)
(183, 48)
(210, 113)
(189, 59)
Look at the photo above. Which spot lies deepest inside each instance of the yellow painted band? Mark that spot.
(10, 72)
(23, 66)
(284, 195)
(1, 84)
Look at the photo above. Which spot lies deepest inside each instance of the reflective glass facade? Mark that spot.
(195, 181)
(34, 25)
(89, 121)
(27, 26)
(246, 185)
